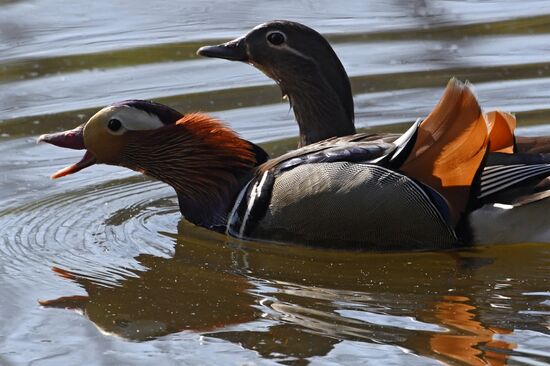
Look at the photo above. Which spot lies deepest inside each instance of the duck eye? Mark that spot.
(114, 124)
(276, 38)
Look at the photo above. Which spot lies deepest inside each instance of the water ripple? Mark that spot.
(95, 231)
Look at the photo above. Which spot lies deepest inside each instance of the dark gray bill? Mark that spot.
(234, 50)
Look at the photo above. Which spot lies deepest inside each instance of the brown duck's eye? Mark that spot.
(276, 38)
(114, 125)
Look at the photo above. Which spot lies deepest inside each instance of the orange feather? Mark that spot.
(450, 146)
(501, 131)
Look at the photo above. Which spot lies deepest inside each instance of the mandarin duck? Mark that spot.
(412, 193)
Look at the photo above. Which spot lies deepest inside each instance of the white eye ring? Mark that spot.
(276, 38)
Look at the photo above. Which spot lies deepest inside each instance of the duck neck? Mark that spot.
(204, 161)
(205, 196)
(209, 213)
(321, 111)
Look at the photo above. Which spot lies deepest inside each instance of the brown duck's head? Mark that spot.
(306, 68)
(196, 154)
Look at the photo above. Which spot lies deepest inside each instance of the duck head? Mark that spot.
(202, 159)
(307, 70)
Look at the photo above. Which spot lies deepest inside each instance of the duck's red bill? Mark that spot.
(87, 160)
(72, 139)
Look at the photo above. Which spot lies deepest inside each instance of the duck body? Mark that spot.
(342, 195)
(517, 224)
(347, 192)
(354, 193)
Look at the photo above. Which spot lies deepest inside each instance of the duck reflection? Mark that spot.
(292, 303)
(477, 346)
(194, 290)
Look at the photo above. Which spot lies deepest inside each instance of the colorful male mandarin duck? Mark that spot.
(354, 192)
(311, 76)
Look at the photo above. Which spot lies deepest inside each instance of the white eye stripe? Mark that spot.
(296, 52)
(134, 119)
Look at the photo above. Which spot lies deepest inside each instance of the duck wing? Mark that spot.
(513, 196)
(343, 192)
(515, 179)
(501, 127)
(359, 147)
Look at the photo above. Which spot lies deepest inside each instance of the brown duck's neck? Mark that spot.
(203, 160)
(206, 194)
(204, 200)
(209, 213)
(219, 185)
(320, 112)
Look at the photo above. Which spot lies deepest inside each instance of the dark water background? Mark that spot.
(147, 288)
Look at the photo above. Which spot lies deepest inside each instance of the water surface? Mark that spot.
(99, 268)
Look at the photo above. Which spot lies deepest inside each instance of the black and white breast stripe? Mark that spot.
(250, 205)
(496, 178)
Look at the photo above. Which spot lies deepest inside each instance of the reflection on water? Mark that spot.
(112, 246)
(474, 348)
(297, 303)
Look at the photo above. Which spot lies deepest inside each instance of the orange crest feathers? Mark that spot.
(212, 132)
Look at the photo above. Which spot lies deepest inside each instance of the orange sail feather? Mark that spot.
(450, 146)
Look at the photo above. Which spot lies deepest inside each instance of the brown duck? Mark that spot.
(311, 76)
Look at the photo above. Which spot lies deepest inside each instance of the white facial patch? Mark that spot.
(134, 119)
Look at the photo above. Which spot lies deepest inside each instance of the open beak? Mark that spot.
(71, 139)
(234, 50)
